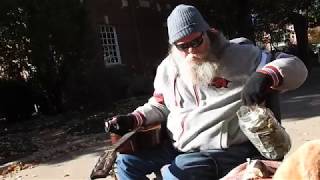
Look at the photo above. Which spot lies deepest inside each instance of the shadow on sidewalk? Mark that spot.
(62, 138)
(303, 102)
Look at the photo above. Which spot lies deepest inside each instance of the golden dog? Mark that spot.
(303, 164)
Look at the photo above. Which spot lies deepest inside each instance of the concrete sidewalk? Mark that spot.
(301, 118)
(301, 111)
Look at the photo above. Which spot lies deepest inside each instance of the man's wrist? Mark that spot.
(138, 118)
(267, 77)
(274, 74)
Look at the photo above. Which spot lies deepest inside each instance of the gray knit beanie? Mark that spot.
(184, 20)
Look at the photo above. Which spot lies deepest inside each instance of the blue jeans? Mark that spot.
(210, 164)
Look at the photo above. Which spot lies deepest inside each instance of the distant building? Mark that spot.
(286, 39)
(314, 35)
(291, 35)
(131, 32)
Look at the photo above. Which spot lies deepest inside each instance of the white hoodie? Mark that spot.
(202, 118)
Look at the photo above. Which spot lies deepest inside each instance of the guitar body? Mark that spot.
(147, 137)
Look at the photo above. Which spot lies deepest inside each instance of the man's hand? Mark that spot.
(256, 89)
(121, 124)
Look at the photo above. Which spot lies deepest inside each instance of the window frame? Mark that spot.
(110, 45)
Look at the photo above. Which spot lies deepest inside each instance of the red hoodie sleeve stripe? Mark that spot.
(140, 118)
(158, 97)
(274, 73)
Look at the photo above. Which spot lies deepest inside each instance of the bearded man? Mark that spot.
(199, 87)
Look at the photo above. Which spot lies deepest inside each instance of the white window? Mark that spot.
(109, 42)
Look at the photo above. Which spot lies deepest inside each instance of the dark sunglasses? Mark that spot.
(196, 42)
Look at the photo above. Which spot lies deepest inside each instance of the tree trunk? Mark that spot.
(42, 52)
(245, 27)
(300, 24)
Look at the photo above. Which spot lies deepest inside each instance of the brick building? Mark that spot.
(131, 32)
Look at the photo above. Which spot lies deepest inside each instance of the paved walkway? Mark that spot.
(301, 118)
(301, 111)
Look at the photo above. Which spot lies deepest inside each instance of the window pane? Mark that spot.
(109, 43)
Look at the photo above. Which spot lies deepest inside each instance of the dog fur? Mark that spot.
(303, 164)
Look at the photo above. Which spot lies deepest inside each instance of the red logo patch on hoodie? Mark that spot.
(219, 82)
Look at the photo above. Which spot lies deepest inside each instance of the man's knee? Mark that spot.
(195, 161)
(124, 160)
(131, 167)
(127, 162)
(194, 166)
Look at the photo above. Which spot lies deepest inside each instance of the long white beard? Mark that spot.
(200, 70)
